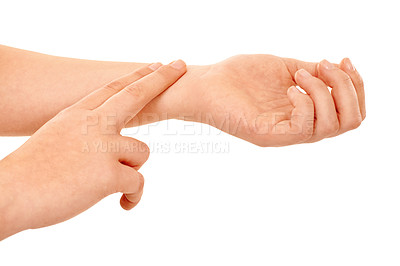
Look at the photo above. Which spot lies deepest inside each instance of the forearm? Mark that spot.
(11, 221)
(34, 87)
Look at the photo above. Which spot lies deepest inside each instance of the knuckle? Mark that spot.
(316, 83)
(73, 114)
(340, 76)
(142, 72)
(309, 104)
(346, 79)
(307, 101)
(136, 90)
(330, 128)
(164, 74)
(145, 150)
(141, 148)
(304, 136)
(114, 86)
(352, 124)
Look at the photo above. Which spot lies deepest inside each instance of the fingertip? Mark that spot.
(302, 73)
(295, 94)
(302, 77)
(326, 65)
(127, 204)
(328, 71)
(297, 90)
(178, 64)
(348, 64)
(293, 90)
(123, 203)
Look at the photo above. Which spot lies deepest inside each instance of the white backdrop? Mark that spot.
(335, 202)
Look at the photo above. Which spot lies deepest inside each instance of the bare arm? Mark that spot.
(246, 96)
(63, 173)
(34, 87)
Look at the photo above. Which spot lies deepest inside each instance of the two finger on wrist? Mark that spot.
(128, 102)
(99, 96)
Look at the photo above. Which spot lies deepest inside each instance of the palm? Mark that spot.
(248, 90)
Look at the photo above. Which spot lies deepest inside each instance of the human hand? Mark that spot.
(251, 97)
(79, 157)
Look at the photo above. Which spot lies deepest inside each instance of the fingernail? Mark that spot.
(155, 66)
(178, 64)
(349, 65)
(294, 89)
(304, 73)
(325, 64)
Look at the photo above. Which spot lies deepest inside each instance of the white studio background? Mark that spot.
(335, 202)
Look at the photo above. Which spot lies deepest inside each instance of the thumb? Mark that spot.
(130, 182)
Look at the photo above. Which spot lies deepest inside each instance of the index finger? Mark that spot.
(98, 97)
(129, 101)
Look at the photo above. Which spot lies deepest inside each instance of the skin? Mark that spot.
(64, 172)
(247, 96)
(252, 97)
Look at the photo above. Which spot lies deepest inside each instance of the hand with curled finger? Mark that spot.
(339, 110)
(255, 97)
(61, 171)
(79, 156)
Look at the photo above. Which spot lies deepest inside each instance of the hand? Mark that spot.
(79, 157)
(251, 97)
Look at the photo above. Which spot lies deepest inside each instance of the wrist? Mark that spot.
(182, 100)
(188, 94)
